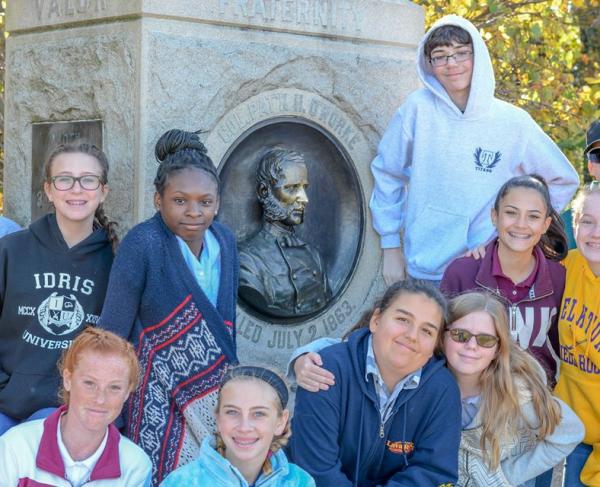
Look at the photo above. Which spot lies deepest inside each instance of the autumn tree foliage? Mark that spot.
(546, 56)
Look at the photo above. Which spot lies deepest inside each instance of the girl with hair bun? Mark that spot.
(253, 425)
(172, 293)
(521, 266)
(53, 279)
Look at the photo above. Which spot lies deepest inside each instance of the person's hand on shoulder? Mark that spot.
(310, 374)
(477, 252)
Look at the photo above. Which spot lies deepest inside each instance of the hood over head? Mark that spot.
(483, 82)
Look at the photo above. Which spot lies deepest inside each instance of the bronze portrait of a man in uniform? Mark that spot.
(281, 275)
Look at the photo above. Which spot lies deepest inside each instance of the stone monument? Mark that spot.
(320, 78)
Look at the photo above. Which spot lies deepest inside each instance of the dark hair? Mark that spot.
(445, 36)
(554, 242)
(100, 217)
(409, 286)
(176, 150)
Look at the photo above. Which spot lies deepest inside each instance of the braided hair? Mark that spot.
(100, 218)
(176, 150)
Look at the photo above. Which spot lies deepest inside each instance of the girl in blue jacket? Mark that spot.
(393, 415)
(252, 427)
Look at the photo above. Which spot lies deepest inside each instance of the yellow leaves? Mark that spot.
(539, 58)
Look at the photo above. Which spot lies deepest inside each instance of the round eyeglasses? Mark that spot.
(89, 182)
(463, 336)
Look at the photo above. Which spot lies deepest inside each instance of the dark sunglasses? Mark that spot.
(594, 156)
(463, 336)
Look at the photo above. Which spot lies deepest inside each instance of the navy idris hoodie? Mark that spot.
(48, 293)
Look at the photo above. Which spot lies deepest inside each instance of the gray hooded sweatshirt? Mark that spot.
(437, 169)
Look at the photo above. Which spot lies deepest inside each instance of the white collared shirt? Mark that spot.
(78, 472)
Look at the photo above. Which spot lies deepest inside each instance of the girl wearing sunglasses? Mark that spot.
(513, 429)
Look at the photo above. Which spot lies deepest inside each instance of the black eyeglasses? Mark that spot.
(594, 156)
(463, 336)
(459, 57)
(89, 182)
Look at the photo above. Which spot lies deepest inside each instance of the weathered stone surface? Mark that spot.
(146, 66)
(80, 74)
(371, 20)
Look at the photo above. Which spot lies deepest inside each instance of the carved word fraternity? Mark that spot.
(342, 15)
(62, 9)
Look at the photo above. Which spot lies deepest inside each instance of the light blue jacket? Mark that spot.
(212, 470)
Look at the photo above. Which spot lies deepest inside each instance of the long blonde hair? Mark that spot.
(500, 409)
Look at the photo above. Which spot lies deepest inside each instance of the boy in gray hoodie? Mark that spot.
(446, 152)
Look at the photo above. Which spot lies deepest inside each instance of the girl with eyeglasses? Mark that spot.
(53, 279)
(579, 332)
(513, 428)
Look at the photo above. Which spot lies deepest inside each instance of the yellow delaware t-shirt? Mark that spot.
(579, 333)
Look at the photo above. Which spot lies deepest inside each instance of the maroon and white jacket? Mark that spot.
(30, 457)
(533, 320)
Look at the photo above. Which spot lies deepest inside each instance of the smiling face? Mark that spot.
(405, 335)
(455, 77)
(188, 205)
(98, 387)
(248, 419)
(587, 231)
(75, 205)
(521, 220)
(470, 359)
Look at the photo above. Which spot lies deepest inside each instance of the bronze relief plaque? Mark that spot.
(293, 197)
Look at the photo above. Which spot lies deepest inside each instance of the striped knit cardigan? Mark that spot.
(184, 344)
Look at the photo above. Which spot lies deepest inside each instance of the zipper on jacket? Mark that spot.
(381, 430)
